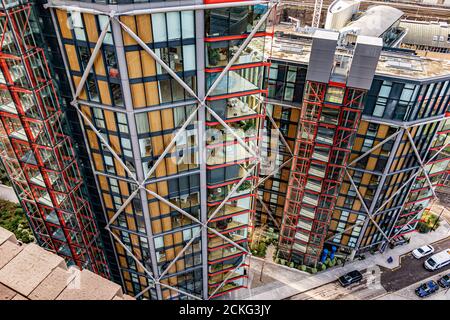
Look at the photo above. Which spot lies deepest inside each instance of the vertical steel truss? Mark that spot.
(142, 184)
(402, 131)
(39, 157)
(338, 153)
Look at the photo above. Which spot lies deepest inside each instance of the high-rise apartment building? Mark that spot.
(159, 108)
(169, 98)
(403, 114)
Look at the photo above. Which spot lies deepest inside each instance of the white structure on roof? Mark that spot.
(374, 22)
(428, 34)
(340, 12)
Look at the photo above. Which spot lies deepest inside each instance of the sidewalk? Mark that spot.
(284, 287)
(7, 193)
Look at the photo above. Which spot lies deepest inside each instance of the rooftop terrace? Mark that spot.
(399, 65)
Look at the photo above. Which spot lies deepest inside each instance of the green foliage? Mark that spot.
(332, 262)
(338, 262)
(423, 227)
(429, 220)
(13, 219)
(313, 270)
(213, 56)
(291, 265)
(245, 185)
(303, 267)
(323, 267)
(4, 176)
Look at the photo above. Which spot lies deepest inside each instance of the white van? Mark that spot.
(438, 260)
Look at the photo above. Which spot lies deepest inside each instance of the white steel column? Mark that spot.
(128, 102)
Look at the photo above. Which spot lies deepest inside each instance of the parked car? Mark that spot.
(349, 278)
(438, 260)
(444, 282)
(422, 251)
(427, 288)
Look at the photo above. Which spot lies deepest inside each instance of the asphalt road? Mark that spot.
(411, 270)
(364, 290)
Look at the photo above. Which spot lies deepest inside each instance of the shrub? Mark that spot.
(313, 270)
(291, 265)
(303, 267)
(323, 267)
(332, 262)
(422, 227)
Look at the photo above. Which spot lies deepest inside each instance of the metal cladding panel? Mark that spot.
(364, 62)
(322, 56)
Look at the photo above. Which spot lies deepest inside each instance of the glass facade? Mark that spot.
(133, 107)
(231, 170)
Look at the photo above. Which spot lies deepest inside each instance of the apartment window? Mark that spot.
(92, 88)
(122, 122)
(159, 27)
(117, 94)
(76, 22)
(142, 123)
(289, 92)
(103, 21)
(335, 95)
(111, 62)
(233, 21)
(99, 120)
(189, 57)
(173, 26)
(187, 23)
(84, 55)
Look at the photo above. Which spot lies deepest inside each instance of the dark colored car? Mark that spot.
(444, 282)
(427, 288)
(349, 278)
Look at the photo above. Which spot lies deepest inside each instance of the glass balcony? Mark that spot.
(310, 199)
(219, 53)
(220, 193)
(223, 253)
(229, 276)
(227, 154)
(225, 225)
(307, 212)
(228, 286)
(6, 102)
(317, 170)
(52, 217)
(325, 135)
(307, 225)
(313, 185)
(233, 207)
(233, 236)
(235, 81)
(231, 108)
(321, 155)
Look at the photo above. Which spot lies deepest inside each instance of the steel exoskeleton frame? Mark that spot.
(140, 180)
(372, 212)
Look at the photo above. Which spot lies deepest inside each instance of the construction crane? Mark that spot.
(317, 12)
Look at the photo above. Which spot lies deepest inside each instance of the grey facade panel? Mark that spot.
(322, 56)
(364, 62)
